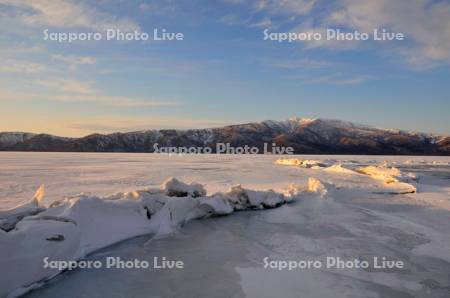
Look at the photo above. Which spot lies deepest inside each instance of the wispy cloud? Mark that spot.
(274, 7)
(116, 101)
(303, 63)
(13, 49)
(263, 23)
(426, 23)
(267, 13)
(335, 78)
(339, 78)
(144, 7)
(123, 124)
(24, 67)
(66, 13)
(234, 19)
(68, 85)
(308, 28)
(73, 91)
(291, 7)
(75, 60)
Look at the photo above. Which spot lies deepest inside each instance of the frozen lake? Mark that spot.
(224, 256)
(66, 174)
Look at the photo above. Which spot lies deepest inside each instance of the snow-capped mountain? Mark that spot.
(13, 138)
(306, 136)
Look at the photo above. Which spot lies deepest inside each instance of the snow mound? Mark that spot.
(73, 227)
(176, 212)
(397, 188)
(39, 195)
(382, 173)
(316, 186)
(392, 179)
(338, 168)
(298, 162)
(218, 204)
(175, 188)
(288, 162)
(241, 198)
(9, 218)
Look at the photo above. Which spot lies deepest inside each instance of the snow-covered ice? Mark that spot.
(350, 207)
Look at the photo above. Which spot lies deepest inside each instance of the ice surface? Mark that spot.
(357, 216)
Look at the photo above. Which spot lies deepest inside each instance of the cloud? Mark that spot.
(7, 95)
(124, 124)
(263, 23)
(234, 19)
(334, 79)
(426, 23)
(339, 78)
(303, 63)
(68, 85)
(144, 7)
(277, 7)
(66, 13)
(13, 49)
(308, 29)
(75, 60)
(74, 91)
(25, 67)
(165, 7)
(273, 12)
(114, 101)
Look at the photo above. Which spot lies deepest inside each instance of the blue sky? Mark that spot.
(223, 71)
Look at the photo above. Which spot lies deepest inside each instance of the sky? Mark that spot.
(223, 71)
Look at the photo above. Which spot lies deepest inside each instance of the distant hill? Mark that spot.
(306, 136)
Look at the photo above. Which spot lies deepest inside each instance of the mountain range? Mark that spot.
(306, 136)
